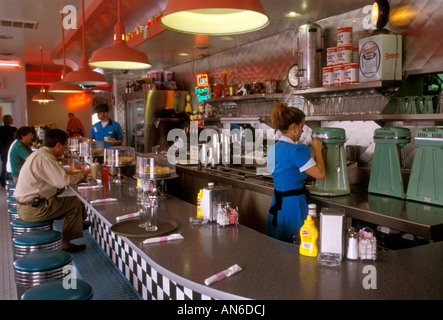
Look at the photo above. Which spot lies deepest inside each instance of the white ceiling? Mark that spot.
(162, 50)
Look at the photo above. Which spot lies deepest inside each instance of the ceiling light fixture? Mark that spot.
(214, 17)
(42, 97)
(10, 63)
(61, 86)
(291, 14)
(84, 75)
(119, 55)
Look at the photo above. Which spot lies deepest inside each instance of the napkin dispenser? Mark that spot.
(332, 222)
(211, 196)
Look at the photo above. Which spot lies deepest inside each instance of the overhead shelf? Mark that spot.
(268, 96)
(382, 84)
(378, 117)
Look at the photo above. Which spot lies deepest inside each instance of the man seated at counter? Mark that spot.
(20, 149)
(106, 130)
(41, 179)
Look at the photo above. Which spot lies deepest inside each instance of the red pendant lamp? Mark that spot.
(42, 97)
(214, 17)
(61, 86)
(119, 55)
(84, 75)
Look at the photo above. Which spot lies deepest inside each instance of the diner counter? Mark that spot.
(421, 219)
(271, 269)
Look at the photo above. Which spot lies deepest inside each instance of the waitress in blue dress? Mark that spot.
(290, 164)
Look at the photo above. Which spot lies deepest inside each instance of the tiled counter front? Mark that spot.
(149, 283)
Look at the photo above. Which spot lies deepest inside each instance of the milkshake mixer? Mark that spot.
(386, 177)
(336, 182)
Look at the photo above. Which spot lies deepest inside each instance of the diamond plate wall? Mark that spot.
(271, 58)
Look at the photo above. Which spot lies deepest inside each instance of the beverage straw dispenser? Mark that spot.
(425, 182)
(336, 182)
(386, 177)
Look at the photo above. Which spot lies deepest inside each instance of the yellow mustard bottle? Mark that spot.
(309, 236)
(199, 200)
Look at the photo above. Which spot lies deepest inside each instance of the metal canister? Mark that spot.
(309, 55)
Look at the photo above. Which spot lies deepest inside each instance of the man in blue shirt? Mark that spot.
(106, 130)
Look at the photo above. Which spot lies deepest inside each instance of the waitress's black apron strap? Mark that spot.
(278, 201)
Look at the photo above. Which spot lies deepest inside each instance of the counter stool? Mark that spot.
(12, 202)
(40, 266)
(19, 226)
(55, 290)
(37, 240)
(10, 194)
(13, 215)
(10, 187)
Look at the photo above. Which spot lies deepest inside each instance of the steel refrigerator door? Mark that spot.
(155, 100)
(136, 125)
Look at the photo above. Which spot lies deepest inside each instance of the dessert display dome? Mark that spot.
(91, 148)
(119, 156)
(153, 166)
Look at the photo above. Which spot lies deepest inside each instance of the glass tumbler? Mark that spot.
(142, 213)
(151, 212)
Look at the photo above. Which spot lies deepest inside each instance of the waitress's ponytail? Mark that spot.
(283, 116)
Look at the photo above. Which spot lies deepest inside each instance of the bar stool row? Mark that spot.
(42, 270)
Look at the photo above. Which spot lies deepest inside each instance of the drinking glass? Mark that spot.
(420, 104)
(412, 105)
(440, 105)
(151, 211)
(400, 105)
(142, 213)
(94, 172)
(428, 107)
(346, 104)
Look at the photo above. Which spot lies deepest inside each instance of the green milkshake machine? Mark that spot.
(336, 182)
(386, 177)
(426, 182)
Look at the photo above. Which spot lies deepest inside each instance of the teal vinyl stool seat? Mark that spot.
(19, 226)
(10, 194)
(59, 289)
(10, 187)
(37, 240)
(41, 266)
(13, 215)
(12, 202)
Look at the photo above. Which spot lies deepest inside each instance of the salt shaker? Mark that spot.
(352, 249)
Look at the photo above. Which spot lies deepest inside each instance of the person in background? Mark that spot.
(75, 126)
(41, 179)
(20, 149)
(7, 132)
(106, 130)
(290, 164)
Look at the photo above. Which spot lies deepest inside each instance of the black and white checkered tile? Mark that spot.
(148, 282)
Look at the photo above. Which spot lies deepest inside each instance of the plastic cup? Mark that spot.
(104, 172)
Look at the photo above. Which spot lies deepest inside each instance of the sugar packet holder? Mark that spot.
(224, 274)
